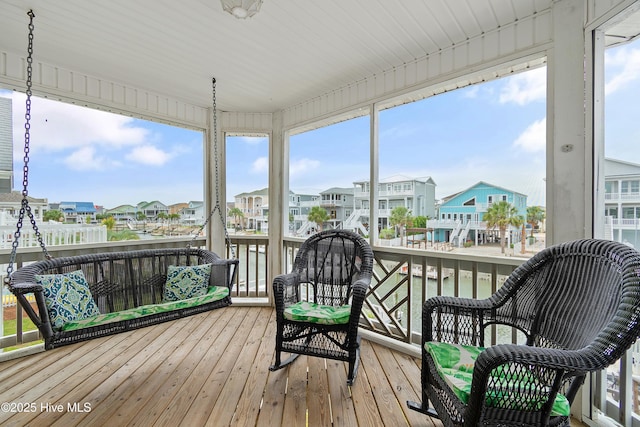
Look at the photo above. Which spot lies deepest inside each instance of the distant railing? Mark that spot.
(627, 196)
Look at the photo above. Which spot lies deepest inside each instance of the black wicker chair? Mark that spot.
(318, 304)
(577, 303)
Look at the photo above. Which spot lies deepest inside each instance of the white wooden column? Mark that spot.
(569, 155)
(278, 196)
(374, 124)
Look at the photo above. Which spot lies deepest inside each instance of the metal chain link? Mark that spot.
(217, 206)
(25, 208)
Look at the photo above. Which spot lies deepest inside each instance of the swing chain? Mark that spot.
(25, 208)
(217, 207)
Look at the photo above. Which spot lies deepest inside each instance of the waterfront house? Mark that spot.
(150, 210)
(10, 206)
(291, 68)
(300, 205)
(78, 212)
(338, 202)
(123, 213)
(622, 201)
(192, 213)
(6, 146)
(418, 195)
(253, 204)
(460, 215)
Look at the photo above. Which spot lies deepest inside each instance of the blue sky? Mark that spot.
(80, 154)
(492, 132)
(457, 139)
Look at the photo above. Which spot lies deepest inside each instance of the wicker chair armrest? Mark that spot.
(466, 317)
(26, 288)
(572, 361)
(470, 304)
(40, 318)
(223, 270)
(286, 290)
(358, 295)
(551, 366)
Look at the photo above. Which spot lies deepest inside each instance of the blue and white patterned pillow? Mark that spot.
(67, 297)
(186, 281)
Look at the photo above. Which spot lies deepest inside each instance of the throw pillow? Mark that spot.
(186, 282)
(67, 297)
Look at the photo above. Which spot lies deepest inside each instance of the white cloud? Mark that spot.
(252, 140)
(471, 91)
(148, 155)
(402, 130)
(627, 64)
(300, 166)
(85, 159)
(525, 87)
(534, 137)
(260, 165)
(57, 126)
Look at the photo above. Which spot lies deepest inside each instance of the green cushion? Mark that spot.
(455, 365)
(214, 293)
(67, 297)
(304, 311)
(186, 282)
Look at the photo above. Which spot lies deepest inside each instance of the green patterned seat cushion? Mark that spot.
(67, 297)
(305, 311)
(455, 363)
(186, 282)
(214, 293)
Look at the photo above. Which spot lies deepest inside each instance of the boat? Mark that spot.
(416, 271)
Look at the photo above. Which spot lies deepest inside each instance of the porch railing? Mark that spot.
(403, 279)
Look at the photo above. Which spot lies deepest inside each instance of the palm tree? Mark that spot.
(318, 215)
(162, 216)
(535, 215)
(140, 216)
(501, 215)
(109, 222)
(400, 216)
(237, 214)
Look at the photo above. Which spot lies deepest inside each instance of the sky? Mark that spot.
(492, 132)
(81, 154)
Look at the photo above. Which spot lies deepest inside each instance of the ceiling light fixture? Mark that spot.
(241, 9)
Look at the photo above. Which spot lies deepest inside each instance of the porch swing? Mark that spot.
(87, 296)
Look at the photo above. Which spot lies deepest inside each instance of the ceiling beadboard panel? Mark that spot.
(444, 65)
(286, 54)
(156, 58)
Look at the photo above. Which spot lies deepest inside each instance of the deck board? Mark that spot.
(209, 369)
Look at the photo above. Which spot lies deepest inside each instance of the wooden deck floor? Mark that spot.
(208, 369)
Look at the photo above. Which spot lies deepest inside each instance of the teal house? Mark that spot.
(460, 216)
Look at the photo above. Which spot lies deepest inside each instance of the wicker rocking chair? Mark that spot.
(318, 304)
(577, 304)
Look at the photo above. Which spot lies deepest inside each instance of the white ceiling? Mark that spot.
(291, 51)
